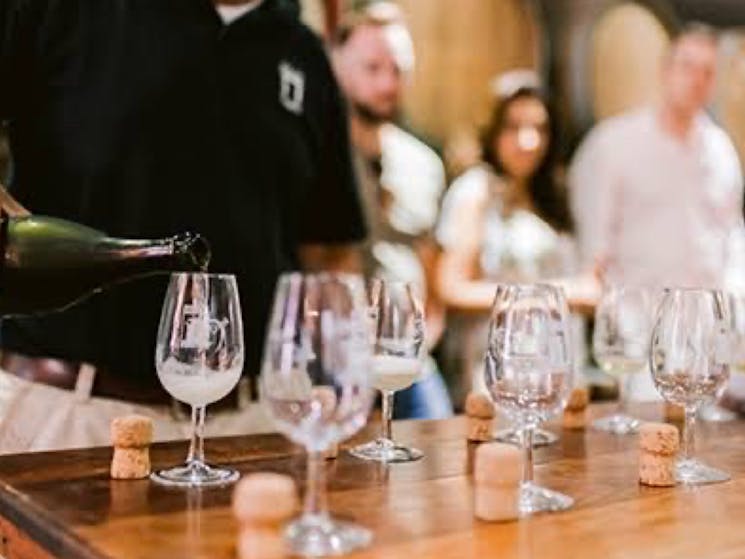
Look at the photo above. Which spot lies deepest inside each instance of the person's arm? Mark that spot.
(459, 234)
(10, 205)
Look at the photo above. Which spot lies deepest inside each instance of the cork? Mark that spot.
(264, 499)
(130, 463)
(578, 399)
(132, 431)
(656, 470)
(574, 420)
(496, 504)
(479, 430)
(260, 543)
(659, 438)
(479, 406)
(497, 465)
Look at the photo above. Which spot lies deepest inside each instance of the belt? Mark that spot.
(87, 380)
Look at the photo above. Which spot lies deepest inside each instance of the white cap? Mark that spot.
(508, 83)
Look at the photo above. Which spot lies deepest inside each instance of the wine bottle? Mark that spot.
(50, 264)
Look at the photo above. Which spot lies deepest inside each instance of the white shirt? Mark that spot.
(515, 247)
(229, 12)
(659, 210)
(414, 177)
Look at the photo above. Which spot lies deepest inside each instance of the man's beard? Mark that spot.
(373, 116)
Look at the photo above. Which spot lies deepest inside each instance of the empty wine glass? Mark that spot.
(398, 321)
(690, 360)
(199, 359)
(713, 412)
(529, 372)
(620, 345)
(315, 385)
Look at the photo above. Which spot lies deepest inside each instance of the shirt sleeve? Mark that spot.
(332, 212)
(415, 177)
(593, 190)
(467, 191)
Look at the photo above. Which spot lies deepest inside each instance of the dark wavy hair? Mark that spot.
(546, 193)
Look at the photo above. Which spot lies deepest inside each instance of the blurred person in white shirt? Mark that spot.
(656, 192)
(401, 178)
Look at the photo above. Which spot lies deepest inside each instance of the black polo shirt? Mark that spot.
(144, 118)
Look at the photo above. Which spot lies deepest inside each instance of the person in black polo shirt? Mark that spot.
(142, 119)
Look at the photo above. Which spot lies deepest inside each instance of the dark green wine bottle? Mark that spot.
(50, 264)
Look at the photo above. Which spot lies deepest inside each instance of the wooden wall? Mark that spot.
(461, 45)
(628, 45)
(730, 98)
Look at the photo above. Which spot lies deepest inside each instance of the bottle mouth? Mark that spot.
(195, 250)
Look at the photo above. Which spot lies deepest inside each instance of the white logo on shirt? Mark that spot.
(291, 87)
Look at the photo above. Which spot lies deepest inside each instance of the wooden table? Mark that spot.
(63, 504)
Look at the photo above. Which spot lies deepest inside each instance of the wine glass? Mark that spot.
(199, 359)
(529, 372)
(690, 364)
(737, 320)
(315, 385)
(713, 412)
(620, 345)
(397, 343)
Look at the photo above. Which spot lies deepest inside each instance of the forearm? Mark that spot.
(10, 205)
(474, 296)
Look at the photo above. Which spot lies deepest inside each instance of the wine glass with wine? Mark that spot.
(620, 345)
(199, 358)
(397, 317)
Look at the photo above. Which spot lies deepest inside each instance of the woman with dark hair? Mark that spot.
(503, 221)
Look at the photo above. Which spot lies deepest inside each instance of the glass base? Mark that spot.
(693, 472)
(384, 450)
(512, 436)
(618, 424)
(320, 536)
(195, 474)
(535, 499)
(716, 414)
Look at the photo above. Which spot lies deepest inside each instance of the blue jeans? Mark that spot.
(427, 399)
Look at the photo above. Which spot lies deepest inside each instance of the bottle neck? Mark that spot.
(135, 248)
(185, 252)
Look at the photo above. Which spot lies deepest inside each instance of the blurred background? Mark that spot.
(461, 46)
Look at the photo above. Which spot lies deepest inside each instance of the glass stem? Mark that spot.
(689, 433)
(528, 448)
(623, 392)
(315, 492)
(196, 447)
(387, 413)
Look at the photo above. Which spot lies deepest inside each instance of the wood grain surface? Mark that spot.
(62, 504)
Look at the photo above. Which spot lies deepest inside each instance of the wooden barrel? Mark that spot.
(605, 57)
(628, 45)
(460, 47)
